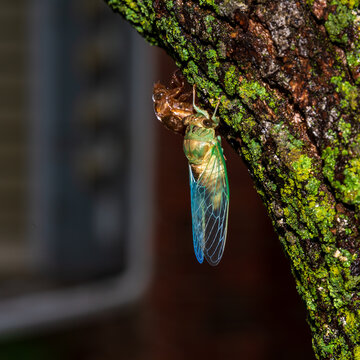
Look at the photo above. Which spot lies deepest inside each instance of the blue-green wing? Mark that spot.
(209, 208)
(197, 193)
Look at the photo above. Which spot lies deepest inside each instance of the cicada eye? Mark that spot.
(207, 123)
(158, 96)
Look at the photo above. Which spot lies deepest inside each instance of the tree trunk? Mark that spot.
(289, 73)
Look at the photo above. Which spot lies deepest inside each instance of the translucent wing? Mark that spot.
(209, 208)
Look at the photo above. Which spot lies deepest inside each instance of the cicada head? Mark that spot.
(161, 101)
(200, 121)
(202, 117)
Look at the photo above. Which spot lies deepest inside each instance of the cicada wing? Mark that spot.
(210, 208)
(197, 193)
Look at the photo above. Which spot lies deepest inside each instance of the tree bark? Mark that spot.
(289, 74)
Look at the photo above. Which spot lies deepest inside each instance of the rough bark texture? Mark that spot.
(289, 72)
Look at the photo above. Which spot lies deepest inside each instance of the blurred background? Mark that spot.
(96, 258)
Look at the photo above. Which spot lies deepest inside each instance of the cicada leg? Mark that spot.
(214, 119)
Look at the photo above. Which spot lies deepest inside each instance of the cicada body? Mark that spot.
(209, 187)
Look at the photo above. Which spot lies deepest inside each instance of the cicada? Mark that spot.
(209, 187)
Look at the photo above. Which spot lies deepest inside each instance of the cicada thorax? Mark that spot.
(203, 150)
